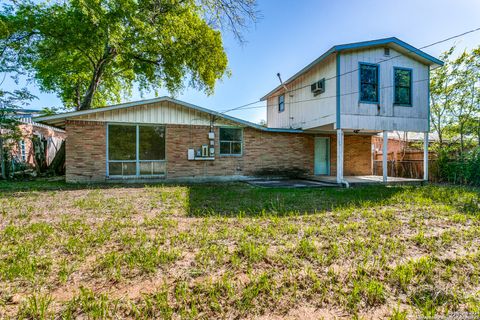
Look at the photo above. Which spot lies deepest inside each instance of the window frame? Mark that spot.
(220, 142)
(282, 103)
(395, 103)
(360, 64)
(137, 160)
(23, 150)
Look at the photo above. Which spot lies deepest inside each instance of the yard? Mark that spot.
(236, 251)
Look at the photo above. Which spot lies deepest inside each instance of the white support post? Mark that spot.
(425, 156)
(339, 155)
(385, 156)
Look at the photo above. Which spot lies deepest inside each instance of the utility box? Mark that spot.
(211, 135)
(191, 154)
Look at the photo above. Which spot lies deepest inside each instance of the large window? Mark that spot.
(136, 150)
(231, 141)
(369, 83)
(403, 86)
(281, 103)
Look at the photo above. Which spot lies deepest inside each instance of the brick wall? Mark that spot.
(85, 149)
(262, 151)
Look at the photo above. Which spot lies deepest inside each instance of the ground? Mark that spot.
(237, 251)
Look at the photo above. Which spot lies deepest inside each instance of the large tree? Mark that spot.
(91, 52)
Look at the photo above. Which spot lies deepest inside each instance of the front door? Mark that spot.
(322, 155)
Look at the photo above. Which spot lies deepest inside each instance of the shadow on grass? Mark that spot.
(241, 199)
(245, 200)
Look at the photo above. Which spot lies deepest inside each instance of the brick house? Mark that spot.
(320, 122)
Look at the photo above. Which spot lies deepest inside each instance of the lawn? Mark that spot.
(236, 251)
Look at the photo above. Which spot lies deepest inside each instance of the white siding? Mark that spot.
(356, 115)
(303, 109)
(164, 112)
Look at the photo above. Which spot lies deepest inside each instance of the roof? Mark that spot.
(392, 41)
(58, 120)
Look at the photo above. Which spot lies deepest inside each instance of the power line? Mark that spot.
(242, 107)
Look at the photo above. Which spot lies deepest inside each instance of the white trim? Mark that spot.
(385, 156)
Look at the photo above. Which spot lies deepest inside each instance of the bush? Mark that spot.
(462, 170)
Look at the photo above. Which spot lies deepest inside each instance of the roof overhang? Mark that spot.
(59, 120)
(392, 42)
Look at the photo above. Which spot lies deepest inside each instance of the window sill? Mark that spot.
(203, 159)
(369, 102)
(402, 105)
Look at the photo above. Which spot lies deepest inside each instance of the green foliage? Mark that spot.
(462, 170)
(455, 99)
(91, 52)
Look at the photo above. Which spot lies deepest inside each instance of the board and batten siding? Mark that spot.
(366, 116)
(302, 108)
(164, 112)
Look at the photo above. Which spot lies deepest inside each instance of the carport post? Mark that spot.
(339, 155)
(385, 156)
(425, 156)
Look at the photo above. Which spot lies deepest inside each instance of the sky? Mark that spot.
(292, 33)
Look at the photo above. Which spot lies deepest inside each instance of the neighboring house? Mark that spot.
(23, 150)
(338, 102)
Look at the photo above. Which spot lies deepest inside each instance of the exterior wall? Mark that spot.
(357, 155)
(262, 152)
(307, 110)
(384, 116)
(154, 113)
(85, 151)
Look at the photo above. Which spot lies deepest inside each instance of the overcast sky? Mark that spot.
(292, 33)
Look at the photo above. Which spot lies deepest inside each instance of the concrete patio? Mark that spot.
(365, 180)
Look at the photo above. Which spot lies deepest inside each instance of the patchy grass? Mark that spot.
(236, 251)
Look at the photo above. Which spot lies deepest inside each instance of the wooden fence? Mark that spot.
(407, 169)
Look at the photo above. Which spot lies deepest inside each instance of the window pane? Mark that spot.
(402, 95)
(152, 167)
(121, 142)
(236, 148)
(368, 92)
(281, 103)
(402, 78)
(224, 147)
(122, 169)
(368, 74)
(231, 134)
(152, 143)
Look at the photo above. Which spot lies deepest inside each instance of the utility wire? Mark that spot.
(354, 70)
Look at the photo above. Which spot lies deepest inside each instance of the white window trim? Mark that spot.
(241, 143)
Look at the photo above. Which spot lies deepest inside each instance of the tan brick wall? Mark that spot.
(85, 149)
(86, 154)
(261, 151)
(357, 157)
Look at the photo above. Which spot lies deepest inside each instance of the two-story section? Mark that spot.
(351, 92)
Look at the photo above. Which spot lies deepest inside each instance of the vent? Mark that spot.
(386, 51)
(318, 87)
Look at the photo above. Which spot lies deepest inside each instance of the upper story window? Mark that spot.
(369, 83)
(403, 86)
(281, 103)
(231, 141)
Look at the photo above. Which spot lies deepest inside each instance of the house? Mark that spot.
(319, 122)
(23, 151)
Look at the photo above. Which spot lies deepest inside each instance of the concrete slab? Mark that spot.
(366, 180)
(289, 183)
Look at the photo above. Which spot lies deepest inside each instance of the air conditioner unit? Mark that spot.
(318, 87)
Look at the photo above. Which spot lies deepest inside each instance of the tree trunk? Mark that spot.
(2, 160)
(109, 54)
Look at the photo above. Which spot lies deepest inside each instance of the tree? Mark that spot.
(442, 95)
(91, 52)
